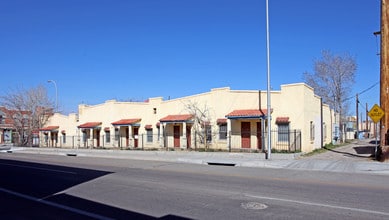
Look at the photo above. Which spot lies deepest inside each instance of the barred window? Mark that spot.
(116, 134)
(107, 136)
(223, 131)
(149, 135)
(283, 132)
(207, 134)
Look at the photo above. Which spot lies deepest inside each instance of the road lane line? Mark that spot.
(56, 205)
(319, 204)
(38, 168)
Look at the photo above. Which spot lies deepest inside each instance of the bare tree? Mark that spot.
(202, 122)
(333, 78)
(30, 111)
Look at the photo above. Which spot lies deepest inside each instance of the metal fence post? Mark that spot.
(295, 140)
(229, 142)
(143, 141)
(289, 140)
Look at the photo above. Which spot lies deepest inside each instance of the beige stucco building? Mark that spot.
(231, 120)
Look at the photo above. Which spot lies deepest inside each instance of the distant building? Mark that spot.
(8, 124)
(236, 121)
(366, 129)
(350, 127)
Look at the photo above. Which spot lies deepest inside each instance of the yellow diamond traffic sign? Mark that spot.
(376, 113)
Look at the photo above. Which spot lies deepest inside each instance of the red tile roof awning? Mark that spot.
(49, 128)
(126, 121)
(247, 113)
(176, 118)
(282, 120)
(90, 125)
(148, 127)
(221, 121)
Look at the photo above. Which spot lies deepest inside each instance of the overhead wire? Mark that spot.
(351, 97)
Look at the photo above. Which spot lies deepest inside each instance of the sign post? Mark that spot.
(376, 113)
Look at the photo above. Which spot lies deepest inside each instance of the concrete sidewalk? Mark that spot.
(348, 159)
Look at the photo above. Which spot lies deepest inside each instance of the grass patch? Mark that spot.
(326, 148)
(314, 152)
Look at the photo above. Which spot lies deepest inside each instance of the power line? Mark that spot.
(369, 88)
(351, 97)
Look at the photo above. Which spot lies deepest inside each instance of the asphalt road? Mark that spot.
(57, 187)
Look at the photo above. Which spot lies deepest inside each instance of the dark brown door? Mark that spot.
(188, 137)
(97, 138)
(127, 137)
(176, 136)
(259, 135)
(245, 134)
(136, 140)
(54, 138)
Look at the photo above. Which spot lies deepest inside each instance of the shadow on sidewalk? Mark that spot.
(364, 150)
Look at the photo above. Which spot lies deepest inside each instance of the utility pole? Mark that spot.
(367, 119)
(357, 119)
(384, 73)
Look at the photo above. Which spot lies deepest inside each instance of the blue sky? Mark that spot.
(97, 50)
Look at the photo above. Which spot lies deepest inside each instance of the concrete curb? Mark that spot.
(278, 161)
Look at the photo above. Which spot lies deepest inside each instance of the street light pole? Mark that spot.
(268, 83)
(56, 94)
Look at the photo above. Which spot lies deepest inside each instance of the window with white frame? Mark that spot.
(116, 134)
(107, 136)
(223, 131)
(149, 133)
(283, 132)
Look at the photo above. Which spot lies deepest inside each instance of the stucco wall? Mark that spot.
(296, 101)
